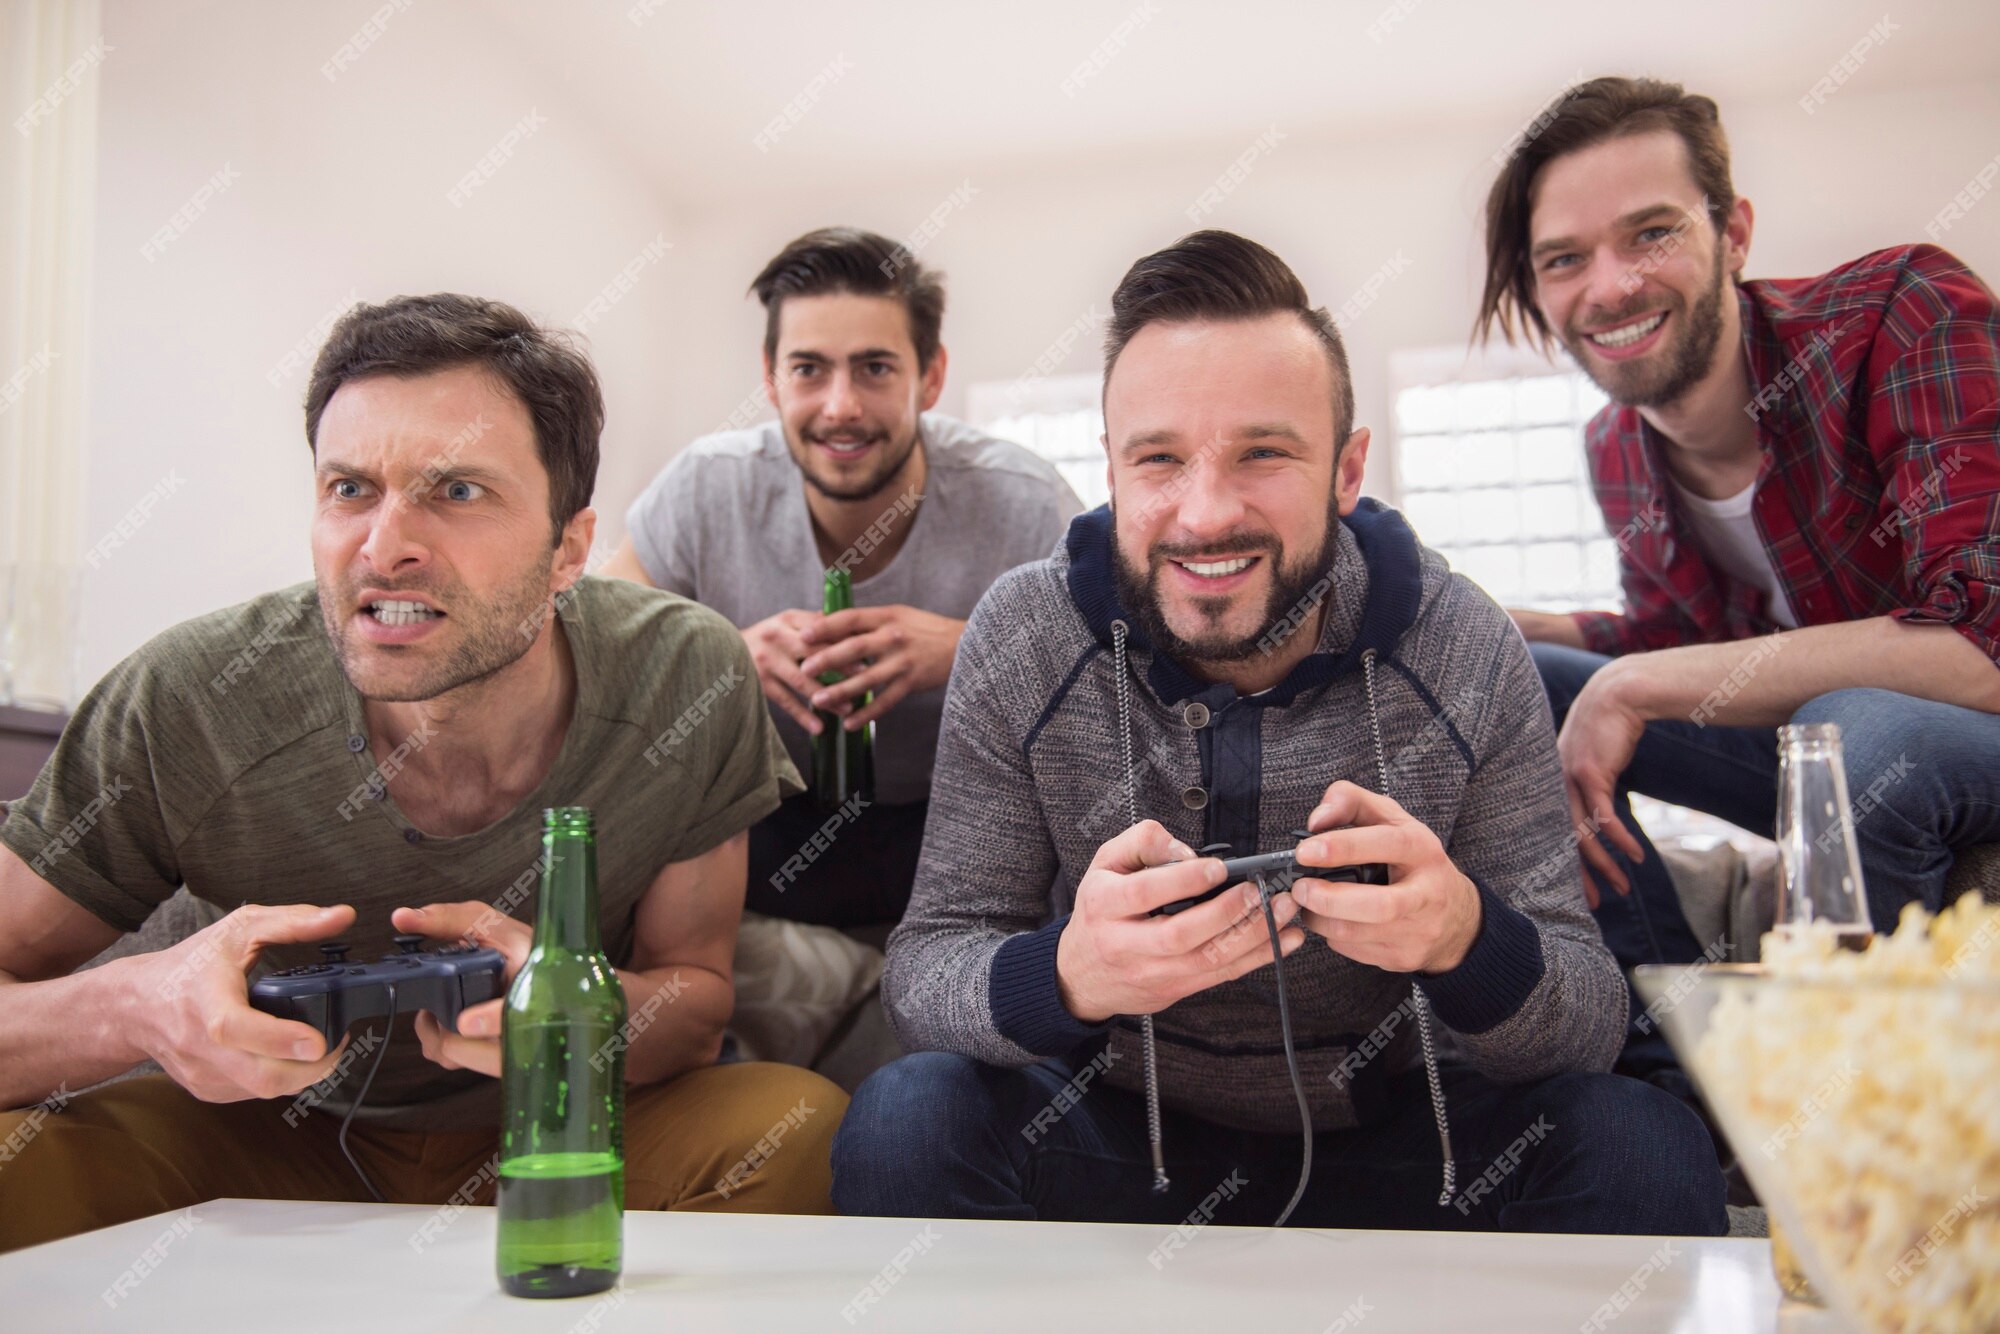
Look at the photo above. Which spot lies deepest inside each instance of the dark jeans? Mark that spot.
(835, 869)
(936, 1135)
(1935, 770)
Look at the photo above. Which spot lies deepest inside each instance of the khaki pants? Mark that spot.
(146, 1146)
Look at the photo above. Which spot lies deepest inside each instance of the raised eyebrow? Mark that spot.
(326, 468)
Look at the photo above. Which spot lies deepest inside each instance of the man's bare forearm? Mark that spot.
(675, 1016)
(65, 1034)
(1545, 627)
(1761, 682)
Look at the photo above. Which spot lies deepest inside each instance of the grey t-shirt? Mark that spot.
(725, 523)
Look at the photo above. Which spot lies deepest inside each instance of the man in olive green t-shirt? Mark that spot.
(370, 754)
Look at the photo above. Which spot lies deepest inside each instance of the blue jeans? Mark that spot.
(1940, 789)
(936, 1135)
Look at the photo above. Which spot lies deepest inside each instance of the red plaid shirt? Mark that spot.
(1877, 405)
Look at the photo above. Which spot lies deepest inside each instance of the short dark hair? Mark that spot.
(1216, 275)
(1589, 113)
(415, 335)
(847, 259)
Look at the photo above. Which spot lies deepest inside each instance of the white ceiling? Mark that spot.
(953, 86)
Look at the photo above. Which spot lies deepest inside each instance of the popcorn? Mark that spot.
(1867, 1087)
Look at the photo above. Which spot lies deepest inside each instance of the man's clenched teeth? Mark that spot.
(398, 612)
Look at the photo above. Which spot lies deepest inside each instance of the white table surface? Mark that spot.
(279, 1266)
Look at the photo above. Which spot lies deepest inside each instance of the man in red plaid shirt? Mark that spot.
(1803, 480)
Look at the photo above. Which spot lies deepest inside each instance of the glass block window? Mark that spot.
(1489, 469)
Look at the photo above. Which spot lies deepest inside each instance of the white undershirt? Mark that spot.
(1727, 532)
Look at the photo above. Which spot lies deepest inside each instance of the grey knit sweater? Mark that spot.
(1417, 679)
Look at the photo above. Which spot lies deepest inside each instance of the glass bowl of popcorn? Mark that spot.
(1860, 1089)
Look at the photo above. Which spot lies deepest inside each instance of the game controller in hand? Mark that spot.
(1276, 871)
(332, 994)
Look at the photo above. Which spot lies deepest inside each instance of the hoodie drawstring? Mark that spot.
(1418, 1005)
(1149, 1053)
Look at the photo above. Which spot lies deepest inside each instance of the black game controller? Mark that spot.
(334, 993)
(1276, 871)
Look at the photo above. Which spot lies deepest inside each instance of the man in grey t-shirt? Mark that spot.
(923, 511)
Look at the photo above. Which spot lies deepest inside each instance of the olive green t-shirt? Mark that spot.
(230, 755)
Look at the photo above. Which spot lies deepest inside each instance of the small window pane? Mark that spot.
(1542, 400)
(1549, 511)
(1554, 569)
(1600, 563)
(1491, 515)
(1424, 410)
(1426, 463)
(1495, 569)
(1552, 454)
(1483, 405)
(1435, 517)
(1486, 459)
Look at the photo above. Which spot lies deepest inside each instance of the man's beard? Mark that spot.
(1296, 592)
(889, 461)
(493, 633)
(1638, 385)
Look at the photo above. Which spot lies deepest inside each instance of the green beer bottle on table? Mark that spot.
(562, 1076)
(843, 761)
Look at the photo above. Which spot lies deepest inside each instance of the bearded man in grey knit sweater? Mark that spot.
(1239, 651)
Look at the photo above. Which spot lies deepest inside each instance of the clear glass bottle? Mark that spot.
(1820, 888)
(1819, 864)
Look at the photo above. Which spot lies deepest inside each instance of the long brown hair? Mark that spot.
(1587, 114)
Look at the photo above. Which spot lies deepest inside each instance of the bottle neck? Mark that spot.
(566, 916)
(837, 595)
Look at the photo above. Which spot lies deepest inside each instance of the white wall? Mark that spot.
(341, 188)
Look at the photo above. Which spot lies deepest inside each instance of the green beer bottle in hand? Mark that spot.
(562, 1075)
(843, 761)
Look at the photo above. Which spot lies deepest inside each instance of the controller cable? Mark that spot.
(1264, 894)
(388, 1026)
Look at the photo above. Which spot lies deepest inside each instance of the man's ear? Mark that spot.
(1736, 230)
(771, 383)
(573, 550)
(933, 380)
(1348, 470)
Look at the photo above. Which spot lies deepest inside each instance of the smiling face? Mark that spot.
(1225, 491)
(1630, 270)
(430, 536)
(848, 390)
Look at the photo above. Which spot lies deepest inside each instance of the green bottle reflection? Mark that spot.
(562, 1145)
(843, 761)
